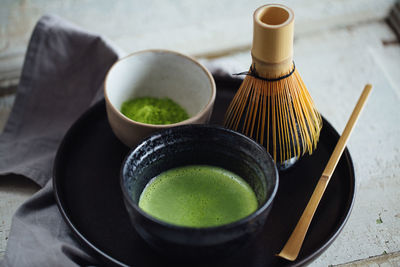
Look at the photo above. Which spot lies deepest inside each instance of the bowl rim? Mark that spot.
(190, 120)
(231, 225)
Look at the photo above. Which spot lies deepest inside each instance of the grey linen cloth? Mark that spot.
(62, 76)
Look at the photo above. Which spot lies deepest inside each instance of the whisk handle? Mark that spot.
(273, 33)
(272, 49)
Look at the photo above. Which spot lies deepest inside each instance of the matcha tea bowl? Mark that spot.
(198, 191)
(151, 90)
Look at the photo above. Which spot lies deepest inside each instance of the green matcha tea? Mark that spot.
(198, 196)
(153, 110)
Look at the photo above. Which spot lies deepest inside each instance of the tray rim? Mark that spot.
(85, 242)
(81, 238)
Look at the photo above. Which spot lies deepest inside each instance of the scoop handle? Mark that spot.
(292, 247)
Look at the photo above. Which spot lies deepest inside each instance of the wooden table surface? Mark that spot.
(339, 47)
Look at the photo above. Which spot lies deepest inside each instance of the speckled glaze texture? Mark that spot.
(198, 144)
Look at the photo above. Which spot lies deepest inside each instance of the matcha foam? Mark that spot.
(198, 196)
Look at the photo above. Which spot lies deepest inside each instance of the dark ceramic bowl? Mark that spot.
(198, 144)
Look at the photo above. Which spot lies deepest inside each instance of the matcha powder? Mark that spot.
(154, 110)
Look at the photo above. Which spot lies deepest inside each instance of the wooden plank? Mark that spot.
(384, 260)
(14, 190)
(335, 72)
(198, 28)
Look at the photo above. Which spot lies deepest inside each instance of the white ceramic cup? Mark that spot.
(157, 73)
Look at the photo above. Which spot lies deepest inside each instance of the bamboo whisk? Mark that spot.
(272, 105)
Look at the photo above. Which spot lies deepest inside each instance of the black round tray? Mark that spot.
(87, 192)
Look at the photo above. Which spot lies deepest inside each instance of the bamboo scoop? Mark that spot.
(292, 247)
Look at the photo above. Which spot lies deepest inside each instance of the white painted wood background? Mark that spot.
(192, 27)
(339, 46)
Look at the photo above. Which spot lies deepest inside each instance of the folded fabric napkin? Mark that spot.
(62, 76)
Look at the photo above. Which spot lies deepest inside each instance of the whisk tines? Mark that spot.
(280, 115)
(272, 105)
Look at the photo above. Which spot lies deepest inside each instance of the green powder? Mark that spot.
(153, 110)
